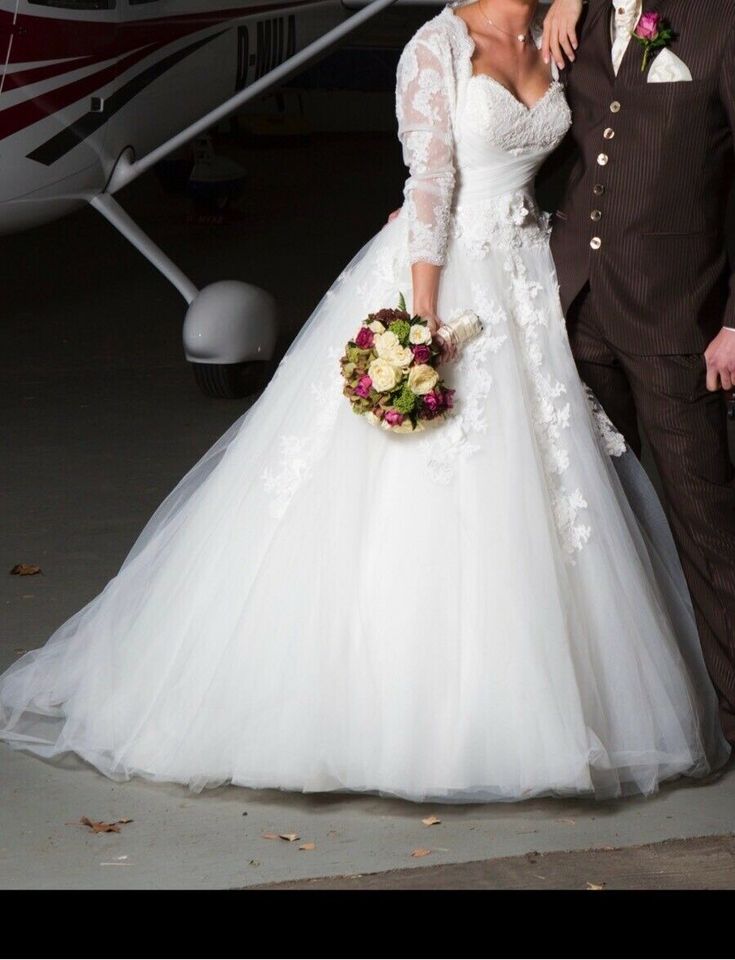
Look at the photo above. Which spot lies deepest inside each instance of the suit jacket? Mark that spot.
(643, 214)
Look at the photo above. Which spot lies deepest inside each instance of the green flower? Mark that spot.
(407, 400)
(401, 328)
(356, 355)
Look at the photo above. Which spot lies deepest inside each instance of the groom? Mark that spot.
(639, 247)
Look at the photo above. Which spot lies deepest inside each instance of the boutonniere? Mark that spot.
(652, 34)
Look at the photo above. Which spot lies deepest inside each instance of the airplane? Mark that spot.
(95, 92)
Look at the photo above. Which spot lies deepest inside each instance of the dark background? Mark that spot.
(100, 413)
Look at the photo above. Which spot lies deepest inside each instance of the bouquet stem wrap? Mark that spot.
(461, 329)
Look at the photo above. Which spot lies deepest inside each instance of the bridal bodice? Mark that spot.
(472, 148)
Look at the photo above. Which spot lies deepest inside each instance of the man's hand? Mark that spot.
(560, 31)
(720, 357)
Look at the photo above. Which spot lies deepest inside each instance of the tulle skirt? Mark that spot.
(488, 610)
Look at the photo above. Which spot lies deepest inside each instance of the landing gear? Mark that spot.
(226, 381)
(230, 381)
(230, 328)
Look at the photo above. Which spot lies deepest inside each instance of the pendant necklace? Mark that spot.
(521, 37)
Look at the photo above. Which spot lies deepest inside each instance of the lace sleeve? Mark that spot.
(425, 131)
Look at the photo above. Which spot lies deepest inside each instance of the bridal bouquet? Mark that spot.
(390, 368)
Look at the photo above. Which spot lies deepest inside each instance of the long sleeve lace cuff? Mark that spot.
(425, 130)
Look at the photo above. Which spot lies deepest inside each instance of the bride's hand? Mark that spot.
(392, 216)
(449, 351)
(560, 31)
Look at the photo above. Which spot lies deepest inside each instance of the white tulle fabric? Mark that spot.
(478, 612)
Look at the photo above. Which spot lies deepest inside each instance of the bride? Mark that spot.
(488, 610)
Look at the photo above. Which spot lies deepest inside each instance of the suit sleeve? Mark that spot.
(727, 94)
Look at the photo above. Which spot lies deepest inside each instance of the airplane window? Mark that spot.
(76, 4)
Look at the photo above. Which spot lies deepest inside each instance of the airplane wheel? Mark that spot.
(229, 381)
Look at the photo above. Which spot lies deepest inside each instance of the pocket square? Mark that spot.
(668, 68)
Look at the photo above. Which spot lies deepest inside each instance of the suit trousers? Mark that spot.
(686, 428)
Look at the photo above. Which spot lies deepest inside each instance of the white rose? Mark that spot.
(422, 379)
(384, 375)
(419, 334)
(388, 347)
(376, 326)
(405, 427)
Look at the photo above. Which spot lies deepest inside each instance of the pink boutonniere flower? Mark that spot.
(652, 34)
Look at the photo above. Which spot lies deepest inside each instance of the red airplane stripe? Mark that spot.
(47, 38)
(23, 77)
(21, 115)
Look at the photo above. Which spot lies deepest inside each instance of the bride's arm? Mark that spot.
(560, 31)
(425, 131)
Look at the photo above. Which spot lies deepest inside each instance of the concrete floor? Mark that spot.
(705, 863)
(100, 417)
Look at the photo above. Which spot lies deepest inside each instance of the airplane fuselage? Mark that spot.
(81, 81)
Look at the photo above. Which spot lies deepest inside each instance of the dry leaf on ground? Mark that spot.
(420, 852)
(431, 821)
(271, 836)
(291, 837)
(99, 826)
(307, 846)
(567, 820)
(595, 886)
(25, 570)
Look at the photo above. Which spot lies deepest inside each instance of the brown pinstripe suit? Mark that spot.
(646, 283)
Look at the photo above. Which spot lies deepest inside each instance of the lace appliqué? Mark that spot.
(299, 452)
(497, 114)
(425, 110)
(502, 223)
(612, 439)
(455, 438)
(551, 415)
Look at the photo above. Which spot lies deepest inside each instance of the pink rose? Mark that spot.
(364, 385)
(649, 26)
(421, 353)
(394, 418)
(365, 338)
(432, 402)
(438, 402)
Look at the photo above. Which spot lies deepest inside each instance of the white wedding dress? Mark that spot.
(475, 612)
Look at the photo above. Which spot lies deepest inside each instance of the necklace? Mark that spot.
(521, 37)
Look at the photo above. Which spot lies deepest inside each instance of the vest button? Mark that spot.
(602, 159)
(615, 106)
(598, 189)
(596, 215)
(595, 243)
(609, 133)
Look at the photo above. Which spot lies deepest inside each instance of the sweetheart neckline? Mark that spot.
(522, 104)
(472, 47)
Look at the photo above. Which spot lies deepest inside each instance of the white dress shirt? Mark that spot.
(625, 16)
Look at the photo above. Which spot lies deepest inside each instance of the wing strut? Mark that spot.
(128, 168)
